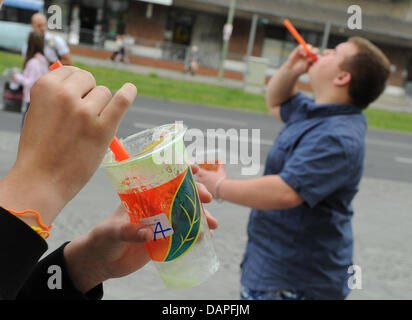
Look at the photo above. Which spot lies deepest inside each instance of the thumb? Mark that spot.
(221, 167)
(135, 233)
(195, 168)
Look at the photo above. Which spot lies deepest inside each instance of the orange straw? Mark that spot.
(56, 65)
(118, 150)
(299, 39)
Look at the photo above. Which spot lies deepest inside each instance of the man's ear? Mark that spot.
(342, 79)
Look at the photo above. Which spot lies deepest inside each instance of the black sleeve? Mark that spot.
(21, 275)
(20, 250)
(50, 280)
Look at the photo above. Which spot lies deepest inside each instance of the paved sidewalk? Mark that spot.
(381, 229)
(162, 73)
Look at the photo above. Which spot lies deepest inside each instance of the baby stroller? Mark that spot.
(12, 94)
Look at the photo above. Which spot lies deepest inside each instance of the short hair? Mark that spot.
(370, 69)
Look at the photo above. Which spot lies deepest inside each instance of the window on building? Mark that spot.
(335, 39)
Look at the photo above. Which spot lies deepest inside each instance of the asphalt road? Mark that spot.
(382, 221)
(388, 153)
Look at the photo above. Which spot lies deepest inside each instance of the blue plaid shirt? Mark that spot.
(320, 154)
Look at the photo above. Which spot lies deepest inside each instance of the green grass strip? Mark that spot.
(204, 94)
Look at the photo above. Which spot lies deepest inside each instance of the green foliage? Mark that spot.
(9, 60)
(389, 120)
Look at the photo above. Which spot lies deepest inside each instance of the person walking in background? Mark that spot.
(55, 48)
(191, 64)
(124, 49)
(117, 46)
(35, 65)
(120, 49)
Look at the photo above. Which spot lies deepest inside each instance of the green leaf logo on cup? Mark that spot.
(186, 218)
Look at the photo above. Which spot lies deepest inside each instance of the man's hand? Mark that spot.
(210, 178)
(115, 247)
(67, 131)
(282, 85)
(299, 61)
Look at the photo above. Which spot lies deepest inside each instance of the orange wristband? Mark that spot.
(43, 230)
(42, 233)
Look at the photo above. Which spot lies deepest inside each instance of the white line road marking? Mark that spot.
(141, 125)
(236, 138)
(403, 160)
(183, 116)
(266, 142)
(247, 139)
(387, 143)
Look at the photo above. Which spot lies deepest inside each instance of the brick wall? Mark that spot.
(139, 26)
(399, 58)
(171, 65)
(240, 37)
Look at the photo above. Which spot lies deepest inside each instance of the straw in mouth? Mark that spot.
(299, 39)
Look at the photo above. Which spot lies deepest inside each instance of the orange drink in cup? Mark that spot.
(210, 166)
(208, 159)
(157, 187)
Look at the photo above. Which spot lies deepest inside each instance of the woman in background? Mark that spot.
(35, 65)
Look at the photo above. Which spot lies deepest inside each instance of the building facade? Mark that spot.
(165, 29)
